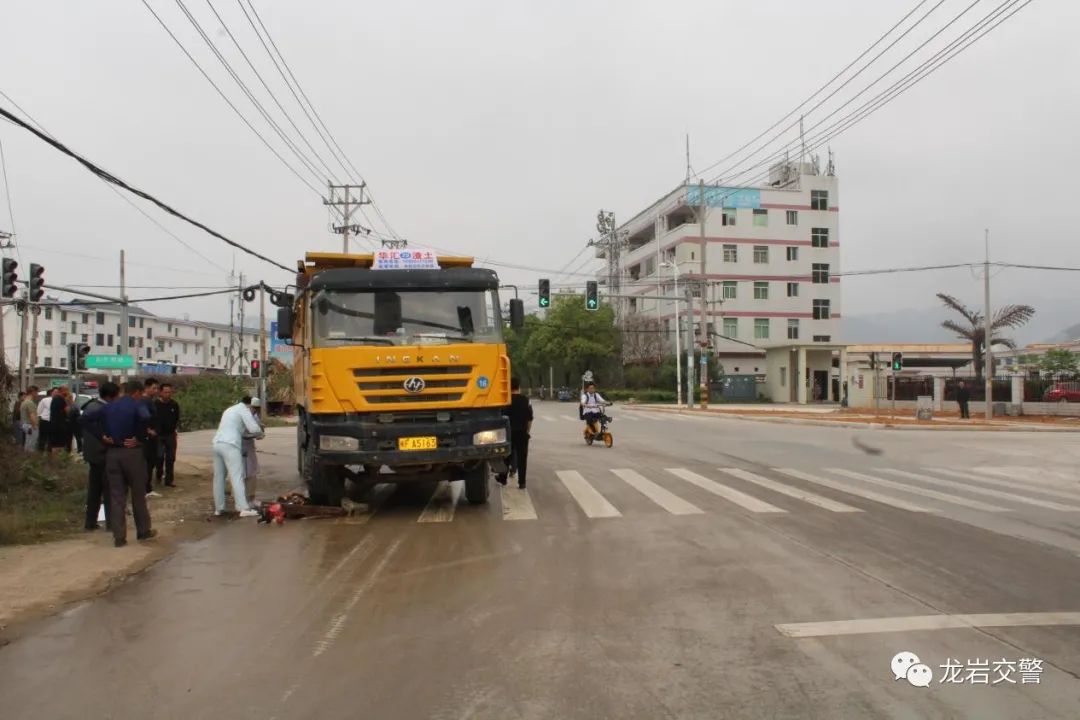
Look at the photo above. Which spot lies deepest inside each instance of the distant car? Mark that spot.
(565, 395)
(1061, 393)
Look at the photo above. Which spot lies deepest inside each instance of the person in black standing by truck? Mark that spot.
(150, 441)
(168, 418)
(97, 491)
(520, 414)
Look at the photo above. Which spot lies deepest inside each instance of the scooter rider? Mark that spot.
(591, 404)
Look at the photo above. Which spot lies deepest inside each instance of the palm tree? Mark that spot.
(1007, 316)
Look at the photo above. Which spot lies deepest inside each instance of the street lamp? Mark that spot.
(678, 331)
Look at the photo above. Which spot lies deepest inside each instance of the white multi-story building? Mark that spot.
(159, 344)
(768, 256)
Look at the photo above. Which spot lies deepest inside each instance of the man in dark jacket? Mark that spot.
(963, 396)
(150, 441)
(97, 491)
(520, 414)
(168, 417)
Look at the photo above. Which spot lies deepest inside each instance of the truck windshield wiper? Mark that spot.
(443, 336)
(362, 338)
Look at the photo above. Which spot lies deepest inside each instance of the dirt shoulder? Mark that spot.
(901, 419)
(41, 579)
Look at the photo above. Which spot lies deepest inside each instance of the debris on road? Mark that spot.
(294, 506)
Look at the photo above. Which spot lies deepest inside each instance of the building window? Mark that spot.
(183, 348)
(792, 217)
(792, 254)
(85, 338)
(86, 318)
(131, 322)
(63, 316)
(148, 354)
(821, 309)
(99, 318)
(761, 254)
(730, 290)
(160, 346)
(783, 377)
(48, 362)
(48, 313)
(793, 289)
(761, 218)
(731, 327)
(822, 338)
(118, 329)
(110, 341)
(48, 338)
(63, 362)
(761, 328)
(728, 217)
(819, 237)
(731, 253)
(820, 273)
(819, 199)
(142, 323)
(793, 329)
(63, 338)
(650, 268)
(119, 350)
(761, 291)
(74, 327)
(131, 341)
(99, 339)
(170, 327)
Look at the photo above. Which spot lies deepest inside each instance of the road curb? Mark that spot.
(855, 425)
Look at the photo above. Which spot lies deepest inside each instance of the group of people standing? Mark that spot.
(49, 423)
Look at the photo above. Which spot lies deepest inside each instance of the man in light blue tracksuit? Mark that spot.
(228, 455)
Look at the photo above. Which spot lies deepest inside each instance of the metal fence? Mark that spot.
(1002, 388)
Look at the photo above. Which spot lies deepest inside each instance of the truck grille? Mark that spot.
(382, 386)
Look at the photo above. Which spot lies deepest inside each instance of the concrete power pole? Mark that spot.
(123, 312)
(23, 381)
(262, 349)
(988, 363)
(702, 206)
(687, 288)
(241, 301)
(348, 206)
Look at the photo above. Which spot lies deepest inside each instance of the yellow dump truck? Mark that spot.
(401, 372)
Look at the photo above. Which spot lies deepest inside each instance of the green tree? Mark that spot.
(521, 364)
(573, 339)
(1059, 362)
(974, 331)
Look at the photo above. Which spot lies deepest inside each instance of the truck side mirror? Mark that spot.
(517, 314)
(285, 320)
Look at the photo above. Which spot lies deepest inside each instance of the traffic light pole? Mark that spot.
(262, 352)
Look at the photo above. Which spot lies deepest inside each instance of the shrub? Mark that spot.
(203, 398)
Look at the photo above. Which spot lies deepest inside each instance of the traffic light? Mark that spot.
(255, 367)
(11, 278)
(77, 353)
(592, 301)
(37, 282)
(545, 293)
(897, 361)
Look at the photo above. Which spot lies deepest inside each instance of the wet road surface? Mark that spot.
(702, 568)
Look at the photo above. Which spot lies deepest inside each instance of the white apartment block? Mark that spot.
(160, 345)
(769, 260)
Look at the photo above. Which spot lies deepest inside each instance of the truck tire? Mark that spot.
(326, 486)
(477, 484)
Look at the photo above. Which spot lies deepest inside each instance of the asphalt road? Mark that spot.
(701, 568)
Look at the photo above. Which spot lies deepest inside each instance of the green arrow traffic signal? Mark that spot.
(592, 301)
(545, 293)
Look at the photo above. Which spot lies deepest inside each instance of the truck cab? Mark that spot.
(400, 370)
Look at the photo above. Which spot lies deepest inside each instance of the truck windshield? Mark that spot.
(405, 317)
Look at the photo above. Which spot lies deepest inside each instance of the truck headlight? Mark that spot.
(489, 437)
(338, 443)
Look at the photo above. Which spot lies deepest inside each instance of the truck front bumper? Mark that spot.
(377, 438)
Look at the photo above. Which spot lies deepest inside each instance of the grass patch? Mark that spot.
(41, 498)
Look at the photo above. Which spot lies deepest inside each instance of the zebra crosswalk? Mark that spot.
(611, 494)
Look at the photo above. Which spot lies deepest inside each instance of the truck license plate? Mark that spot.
(417, 443)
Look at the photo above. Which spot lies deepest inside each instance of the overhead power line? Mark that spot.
(109, 177)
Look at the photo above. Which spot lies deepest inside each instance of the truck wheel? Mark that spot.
(477, 485)
(326, 486)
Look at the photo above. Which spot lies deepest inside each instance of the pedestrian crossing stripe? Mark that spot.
(855, 490)
(516, 504)
(914, 490)
(443, 503)
(659, 495)
(1048, 504)
(748, 502)
(1042, 489)
(804, 495)
(589, 499)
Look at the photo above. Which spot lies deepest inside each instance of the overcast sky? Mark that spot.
(500, 128)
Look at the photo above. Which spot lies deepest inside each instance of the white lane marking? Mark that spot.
(1013, 484)
(546, 418)
(571, 418)
(748, 502)
(516, 504)
(1048, 504)
(662, 497)
(915, 490)
(804, 495)
(592, 503)
(629, 417)
(854, 490)
(443, 502)
(334, 628)
(926, 622)
(1029, 501)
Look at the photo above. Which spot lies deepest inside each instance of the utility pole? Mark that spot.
(702, 211)
(241, 301)
(348, 207)
(123, 312)
(689, 344)
(23, 381)
(658, 225)
(34, 309)
(988, 364)
(262, 348)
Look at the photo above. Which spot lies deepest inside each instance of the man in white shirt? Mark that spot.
(228, 455)
(44, 412)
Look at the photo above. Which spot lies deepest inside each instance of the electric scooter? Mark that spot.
(603, 435)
